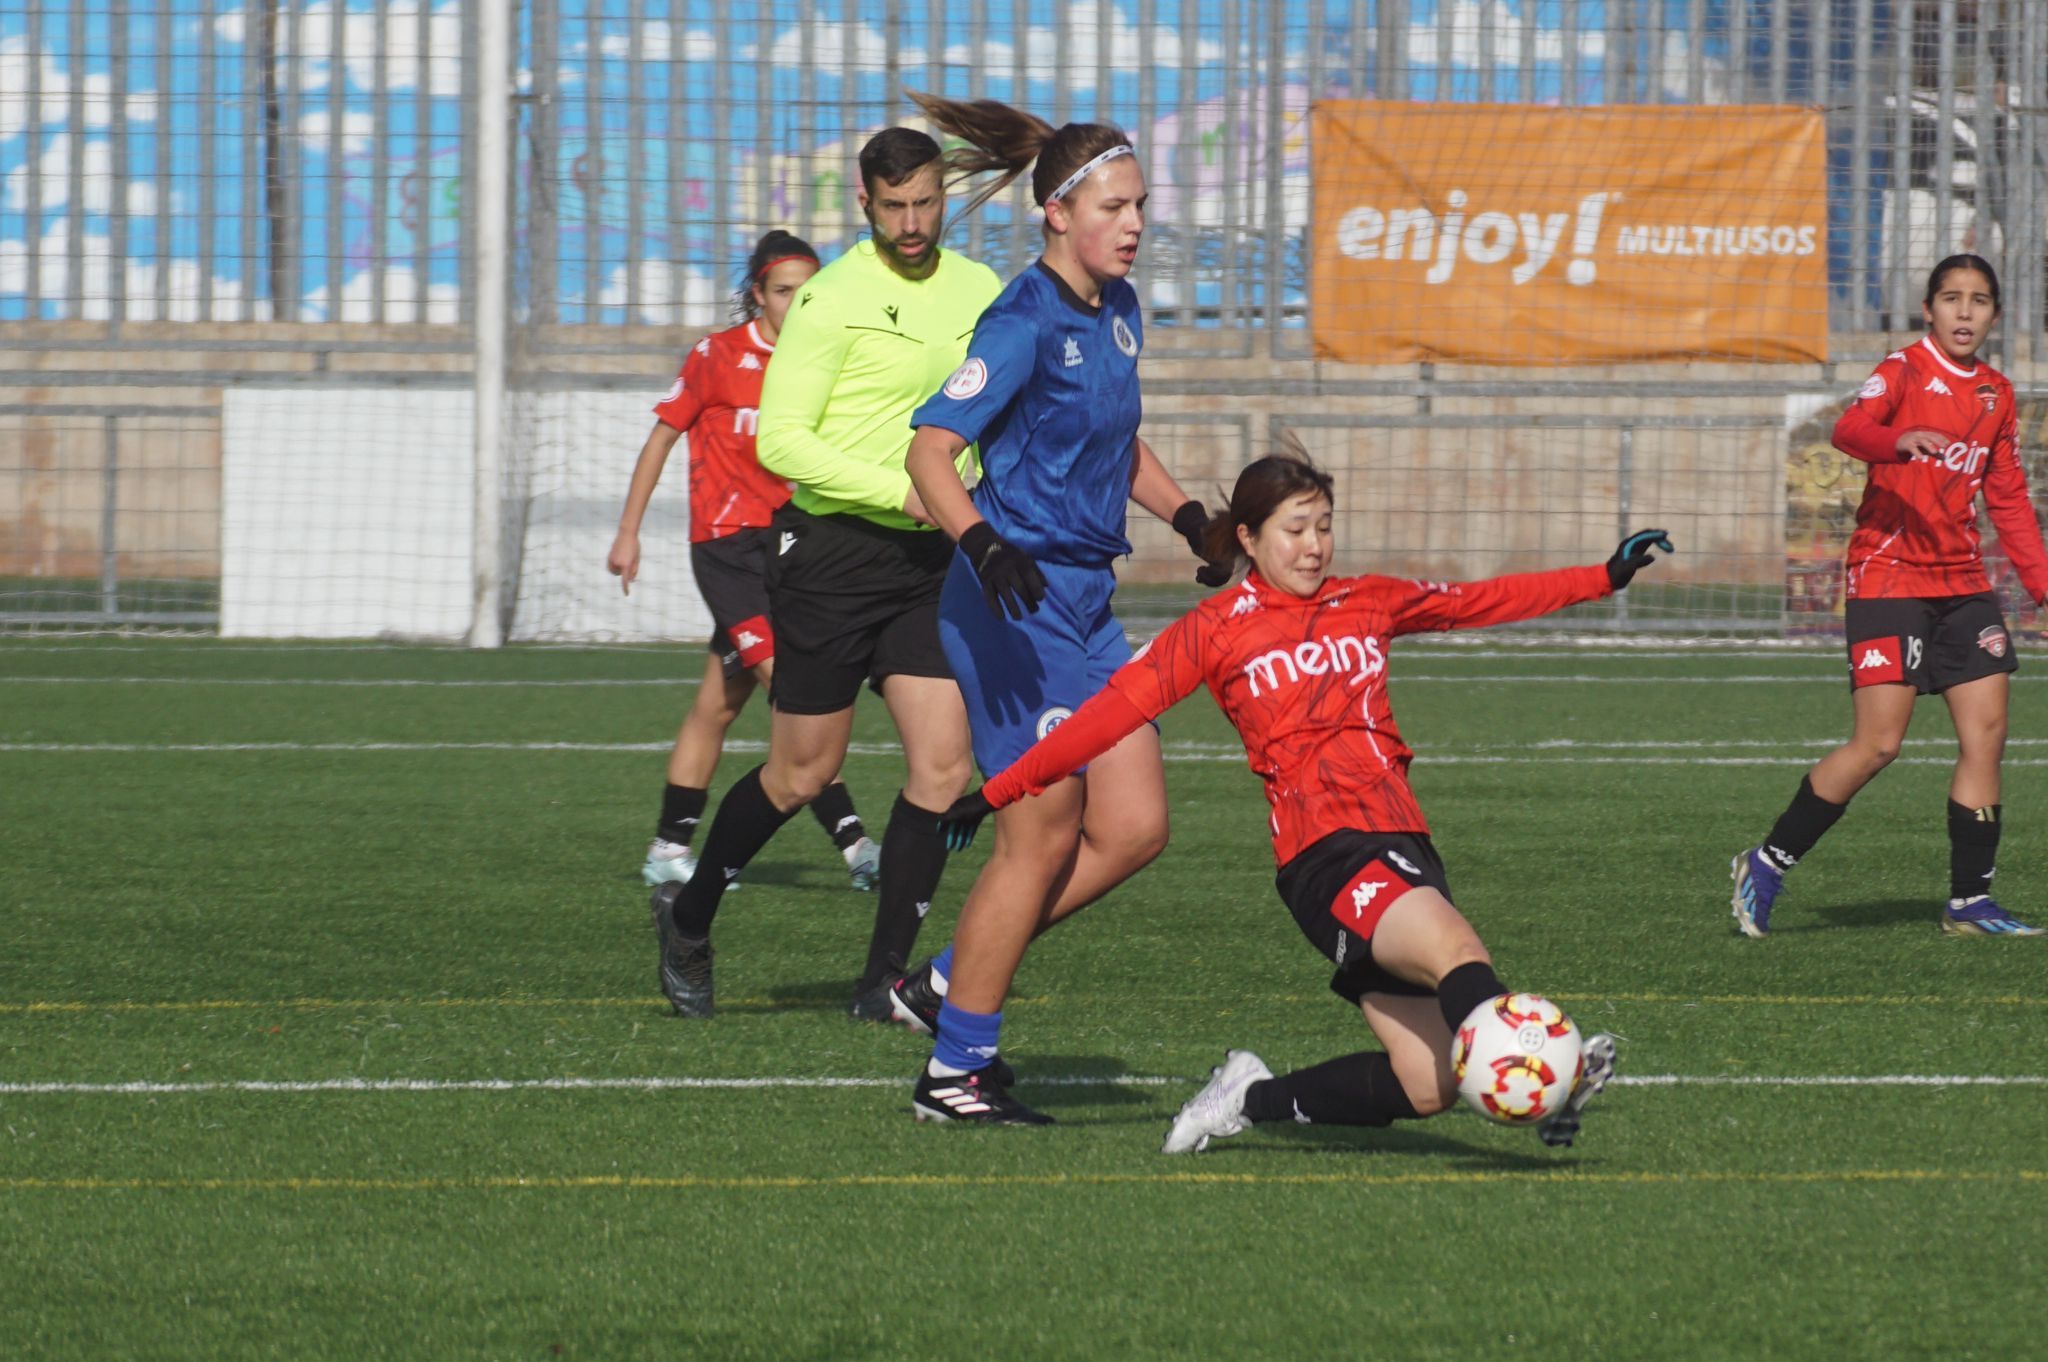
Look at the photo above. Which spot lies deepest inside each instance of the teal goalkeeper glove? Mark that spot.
(1633, 555)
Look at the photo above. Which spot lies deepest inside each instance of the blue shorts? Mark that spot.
(1022, 677)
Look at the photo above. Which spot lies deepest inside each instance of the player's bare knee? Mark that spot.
(935, 782)
(792, 786)
(1431, 1093)
(1135, 841)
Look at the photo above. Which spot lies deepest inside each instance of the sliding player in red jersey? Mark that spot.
(1297, 660)
(732, 500)
(1936, 426)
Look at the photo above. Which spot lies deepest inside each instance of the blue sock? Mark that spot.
(942, 963)
(967, 1040)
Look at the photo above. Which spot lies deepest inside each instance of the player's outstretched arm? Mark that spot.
(1522, 595)
(1100, 724)
(1156, 490)
(624, 560)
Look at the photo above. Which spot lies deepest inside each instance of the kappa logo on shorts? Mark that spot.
(1876, 660)
(967, 380)
(747, 638)
(1992, 640)
(1052, 719)
(1358, 905)
(1121, 334)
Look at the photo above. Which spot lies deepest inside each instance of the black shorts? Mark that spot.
(1337, 890)
(1927, 642)
(732, 577)
(852, 601)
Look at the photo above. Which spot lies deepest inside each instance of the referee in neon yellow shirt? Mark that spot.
(854, 583)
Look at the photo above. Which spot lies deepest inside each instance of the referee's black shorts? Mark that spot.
(852, 601)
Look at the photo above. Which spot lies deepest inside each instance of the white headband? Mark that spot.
(1120, 149)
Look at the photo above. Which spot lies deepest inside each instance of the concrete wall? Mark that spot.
(1445, 470)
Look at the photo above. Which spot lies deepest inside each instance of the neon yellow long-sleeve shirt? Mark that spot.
(860, 350)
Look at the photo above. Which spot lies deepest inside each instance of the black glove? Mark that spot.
(1010, 581)
(959, 823)
(1633, 555)
(1189, 522)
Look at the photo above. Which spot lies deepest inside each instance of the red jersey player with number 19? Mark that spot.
(1297, 660)
(715, 402)
(1936, 426)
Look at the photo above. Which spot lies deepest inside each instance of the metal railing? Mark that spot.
(312, 160)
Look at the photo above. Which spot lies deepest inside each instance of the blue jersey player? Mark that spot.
(1049, 391)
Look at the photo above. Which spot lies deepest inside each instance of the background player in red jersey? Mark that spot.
(732, 500)
(1936, 427)
(1297, 660)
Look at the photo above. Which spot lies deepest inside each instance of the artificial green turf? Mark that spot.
(323, 909)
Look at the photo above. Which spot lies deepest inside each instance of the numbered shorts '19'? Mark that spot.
(1022, 677)
(852, 601)
(1927, 642)
(1339, 887)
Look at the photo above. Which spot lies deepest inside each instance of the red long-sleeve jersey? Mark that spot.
(1303, 680)
(714, 403)
(1916, 529)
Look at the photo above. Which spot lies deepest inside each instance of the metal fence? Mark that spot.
(312, 160)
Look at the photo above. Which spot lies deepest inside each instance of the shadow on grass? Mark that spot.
(818, 995)
(1851, 916)
(1082, 1081)
(1402, 1141)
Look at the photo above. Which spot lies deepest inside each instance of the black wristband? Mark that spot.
(978, 541)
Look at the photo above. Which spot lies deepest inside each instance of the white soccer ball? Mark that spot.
(1516, 1058)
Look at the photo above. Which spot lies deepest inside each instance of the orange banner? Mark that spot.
(1521, 234)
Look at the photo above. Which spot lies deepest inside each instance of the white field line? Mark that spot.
(673, 1084)
(363, 682)
(1542, 754)
(1803, 678)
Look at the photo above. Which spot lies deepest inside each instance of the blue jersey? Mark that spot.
(1049, 391)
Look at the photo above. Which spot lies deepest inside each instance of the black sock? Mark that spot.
(833, 808)
(1972, 848)
(913, 859)
(1805, 820)
(1463, 989)
(745, 821)
(682, 807)
(1357, 1090)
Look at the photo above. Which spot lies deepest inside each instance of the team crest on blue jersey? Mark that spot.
(1052, 719)
(1125, 341)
